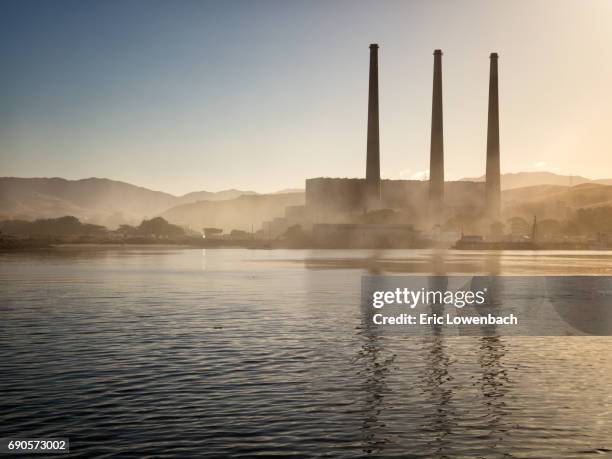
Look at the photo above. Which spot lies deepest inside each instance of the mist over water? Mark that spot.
(240, 352)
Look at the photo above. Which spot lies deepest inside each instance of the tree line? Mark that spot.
(70, 226)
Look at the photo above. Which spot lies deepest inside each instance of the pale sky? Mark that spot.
(181, 96)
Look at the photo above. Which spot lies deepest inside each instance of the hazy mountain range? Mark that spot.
(111, 203)
(95, 200)
(523, 179)
(555, 201)
(245, 212)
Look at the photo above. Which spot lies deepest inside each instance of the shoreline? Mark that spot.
(44, 246)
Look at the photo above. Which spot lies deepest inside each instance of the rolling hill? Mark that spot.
(94, 200)
(527, 179)
(555, 201)
(244, 212)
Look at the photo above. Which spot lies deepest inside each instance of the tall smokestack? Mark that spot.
(436, 158)
(373, 147)
(493, 186)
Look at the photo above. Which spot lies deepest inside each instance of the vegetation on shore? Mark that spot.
(583, 225)
(65, 230)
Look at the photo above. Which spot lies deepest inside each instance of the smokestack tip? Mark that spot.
(494, 55)
(374, 46)
(437, 51)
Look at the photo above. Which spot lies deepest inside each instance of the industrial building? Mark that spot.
(334, 207)
(337, 200)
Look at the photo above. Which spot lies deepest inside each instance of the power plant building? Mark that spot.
(340, 200)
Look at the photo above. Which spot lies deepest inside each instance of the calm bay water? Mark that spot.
(231, 353)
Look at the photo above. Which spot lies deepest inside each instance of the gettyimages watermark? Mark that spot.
(488, 305)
